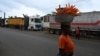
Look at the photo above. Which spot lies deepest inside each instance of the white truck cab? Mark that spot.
(35, 23)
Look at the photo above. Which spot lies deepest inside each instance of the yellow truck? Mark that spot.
(18, 22)
(26, 22)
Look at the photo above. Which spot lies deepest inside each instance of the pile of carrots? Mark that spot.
(69, 10)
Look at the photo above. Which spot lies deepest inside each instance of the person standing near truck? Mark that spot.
(77, 33)
(65, 43)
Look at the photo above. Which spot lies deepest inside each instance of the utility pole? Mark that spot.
(4, 15)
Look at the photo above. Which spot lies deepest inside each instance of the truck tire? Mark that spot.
(22, 27)
(32, 28)
(83, 34)
(51, 31)
(57, 32)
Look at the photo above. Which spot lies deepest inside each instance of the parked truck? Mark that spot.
(2, 22)
(26, 22)
(88, 22)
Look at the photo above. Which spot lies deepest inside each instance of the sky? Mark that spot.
(43, 7)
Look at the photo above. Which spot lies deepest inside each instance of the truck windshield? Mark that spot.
(37, 20)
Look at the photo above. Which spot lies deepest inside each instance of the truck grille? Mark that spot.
(38, 26)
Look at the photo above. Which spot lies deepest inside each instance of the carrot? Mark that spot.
(69, 9)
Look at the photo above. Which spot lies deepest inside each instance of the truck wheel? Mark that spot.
(51, 31)
(57, 32)
(32, 28)
(83, 34)
(22, 27)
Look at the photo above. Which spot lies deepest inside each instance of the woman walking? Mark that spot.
(65, 43)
